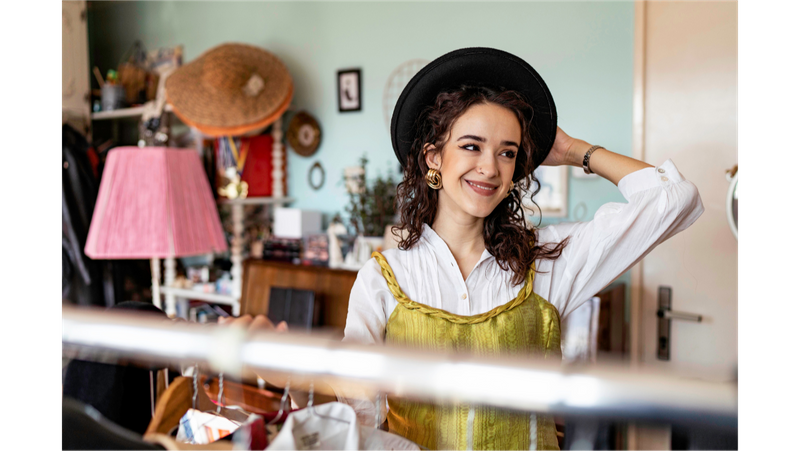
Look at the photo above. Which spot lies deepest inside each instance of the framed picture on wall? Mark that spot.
(552, 196)
(349, 90)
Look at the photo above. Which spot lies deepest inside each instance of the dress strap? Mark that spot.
(401, 297)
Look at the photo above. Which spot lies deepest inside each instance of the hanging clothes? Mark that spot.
(312, 430)
(83, 281)
(121, 393)
(83, 427)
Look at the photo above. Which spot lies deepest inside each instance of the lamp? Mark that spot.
(154, 202)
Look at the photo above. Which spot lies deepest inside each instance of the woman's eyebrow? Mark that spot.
(483, 140)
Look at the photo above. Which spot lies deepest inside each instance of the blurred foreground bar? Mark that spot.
(521, 384)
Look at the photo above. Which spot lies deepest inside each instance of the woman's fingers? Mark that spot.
(260, 322)
(243, 321)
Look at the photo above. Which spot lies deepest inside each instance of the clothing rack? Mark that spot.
(528, 384)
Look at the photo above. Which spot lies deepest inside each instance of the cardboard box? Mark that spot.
(295, 223)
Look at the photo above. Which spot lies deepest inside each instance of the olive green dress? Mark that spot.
(525, 326)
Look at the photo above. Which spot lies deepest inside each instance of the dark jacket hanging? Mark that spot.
(83, 281)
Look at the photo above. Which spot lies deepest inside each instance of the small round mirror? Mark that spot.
(732, 201)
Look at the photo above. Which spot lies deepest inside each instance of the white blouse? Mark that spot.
(660, 204)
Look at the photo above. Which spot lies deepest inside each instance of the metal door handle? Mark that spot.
(666, 313)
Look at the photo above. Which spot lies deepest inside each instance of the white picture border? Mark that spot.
(553, 196)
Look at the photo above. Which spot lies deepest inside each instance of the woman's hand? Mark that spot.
(299, 389)
(260, 322)
(566, 150)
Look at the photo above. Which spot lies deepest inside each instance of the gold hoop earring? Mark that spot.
(434, 178)
(510, 188)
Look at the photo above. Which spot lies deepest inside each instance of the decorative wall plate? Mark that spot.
(304, 134)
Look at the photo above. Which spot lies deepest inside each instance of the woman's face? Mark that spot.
(477, 161)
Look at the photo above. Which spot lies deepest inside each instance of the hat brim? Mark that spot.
(216, 131)
(476, 66)
(202, 97)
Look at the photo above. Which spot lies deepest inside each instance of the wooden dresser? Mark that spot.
(331, 288)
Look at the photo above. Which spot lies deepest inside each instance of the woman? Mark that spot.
(469, 275)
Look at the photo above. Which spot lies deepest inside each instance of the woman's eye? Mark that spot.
(509, 153)
(471, 147)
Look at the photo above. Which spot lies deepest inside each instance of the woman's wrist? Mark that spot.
(576, 153)
(612, 166)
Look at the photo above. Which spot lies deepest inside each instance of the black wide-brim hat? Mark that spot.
(475, 66)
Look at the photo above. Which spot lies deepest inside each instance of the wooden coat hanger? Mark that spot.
(177, 400)
(253, 399)
(174, 403)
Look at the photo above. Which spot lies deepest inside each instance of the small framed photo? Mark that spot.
(552, 198)
(349, 90)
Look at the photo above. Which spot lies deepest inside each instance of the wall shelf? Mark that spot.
(122, 113)
(186, 293)
(257, 201)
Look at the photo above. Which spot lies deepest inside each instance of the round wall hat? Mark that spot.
(303, 134)
(230, 90)
(476, 66)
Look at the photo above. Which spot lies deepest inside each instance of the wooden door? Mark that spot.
(690, 115)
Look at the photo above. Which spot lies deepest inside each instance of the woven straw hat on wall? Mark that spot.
(230, 90)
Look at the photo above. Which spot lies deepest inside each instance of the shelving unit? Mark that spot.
(237, 215)
(173, 296)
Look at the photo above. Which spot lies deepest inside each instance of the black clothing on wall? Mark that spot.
(120, 393)
(83, 281)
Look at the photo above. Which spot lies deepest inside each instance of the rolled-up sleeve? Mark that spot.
(660, 204)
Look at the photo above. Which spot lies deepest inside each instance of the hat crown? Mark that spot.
(475, 66)
(226, 70)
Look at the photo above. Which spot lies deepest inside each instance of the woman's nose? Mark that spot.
(487, 166)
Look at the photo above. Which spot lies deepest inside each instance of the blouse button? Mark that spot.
(664, 179)
(661, 170)
(464, 296)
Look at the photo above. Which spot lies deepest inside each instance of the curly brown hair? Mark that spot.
(505, 233)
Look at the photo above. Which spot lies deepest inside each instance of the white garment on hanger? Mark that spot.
(304, 430)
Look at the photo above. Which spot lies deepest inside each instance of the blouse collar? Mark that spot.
(432, 239)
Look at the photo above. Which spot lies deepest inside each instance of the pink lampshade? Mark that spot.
(154, 202)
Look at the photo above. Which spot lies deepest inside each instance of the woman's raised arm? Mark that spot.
(609, 165)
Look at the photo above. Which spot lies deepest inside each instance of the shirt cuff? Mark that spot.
(664, 176)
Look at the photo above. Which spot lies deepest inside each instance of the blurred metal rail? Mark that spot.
(522, 384)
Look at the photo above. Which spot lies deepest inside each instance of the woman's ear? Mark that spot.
(432, 156)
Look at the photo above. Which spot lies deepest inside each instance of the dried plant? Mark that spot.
(371, 207)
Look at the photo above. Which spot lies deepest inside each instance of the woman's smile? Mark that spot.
(483, 189)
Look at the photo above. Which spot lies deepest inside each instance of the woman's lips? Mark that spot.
(484, 189)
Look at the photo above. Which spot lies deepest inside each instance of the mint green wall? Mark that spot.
(584, 51)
